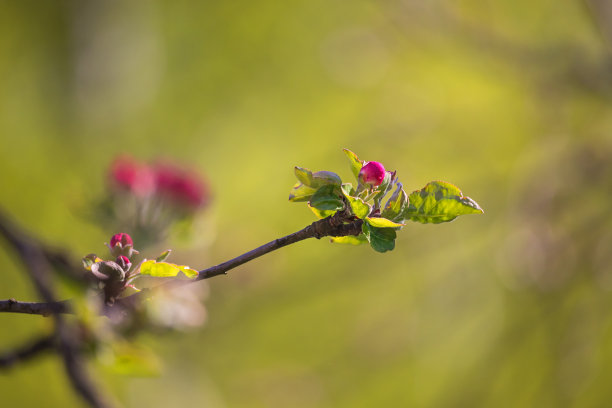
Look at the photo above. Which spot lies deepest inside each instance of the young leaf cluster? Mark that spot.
(382, 217)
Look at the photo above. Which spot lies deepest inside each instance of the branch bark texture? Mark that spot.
(334, 226)
(39, 308)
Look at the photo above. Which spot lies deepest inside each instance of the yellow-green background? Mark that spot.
(510, 100)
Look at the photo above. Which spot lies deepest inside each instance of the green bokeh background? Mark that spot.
(510, 100)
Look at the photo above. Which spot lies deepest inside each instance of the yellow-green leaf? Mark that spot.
(438, 202)
(301, 192)
(382, 222)
(350, 239)
(358, 206)
(355, 163)
(304, 176)
(166, 269)
(321, 213)
(190, 273)
(396, 204)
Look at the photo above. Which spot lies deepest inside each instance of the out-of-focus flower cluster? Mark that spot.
(164, 180)
(148, 199)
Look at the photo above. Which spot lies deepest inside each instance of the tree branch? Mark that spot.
(334, 226)
(37, 265)
(27, 352)
(39, 308)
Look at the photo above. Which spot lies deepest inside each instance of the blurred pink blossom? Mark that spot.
(175, 184)
(179, 185)
(130, 175)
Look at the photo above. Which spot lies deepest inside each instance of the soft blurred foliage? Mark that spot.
(510, 100)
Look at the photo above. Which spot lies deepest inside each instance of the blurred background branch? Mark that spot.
(27, 351)
(68, 347)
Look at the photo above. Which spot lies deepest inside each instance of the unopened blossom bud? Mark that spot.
(124, 262)
(372, 173)
(121, 238)
(121, 244)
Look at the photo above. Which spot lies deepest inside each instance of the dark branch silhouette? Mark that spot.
(39, 308)
(38, 267)
(27, 352)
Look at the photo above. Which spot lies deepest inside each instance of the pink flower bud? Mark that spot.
(372, 173)
(128, 174)
(180, 186)
(121, 238)
(124, 262)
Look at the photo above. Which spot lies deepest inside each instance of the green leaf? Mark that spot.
(318, 179)
(189, 272)
(301, 192)
(356, 164)
(358, 206)
(348, 190)
(164, 255)
(321, 213)
(350, 239)
(396, 204)
(303, 175)
(166, 269)
(438, 202)
(327, 198)
(381, 239)
(380, 222)
(321, 178)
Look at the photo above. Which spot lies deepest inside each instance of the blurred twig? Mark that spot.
(600, 12)
(26, 352)
(38, 267)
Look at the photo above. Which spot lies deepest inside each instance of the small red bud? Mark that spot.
(122, 238)
(124, 262)
(372, 173)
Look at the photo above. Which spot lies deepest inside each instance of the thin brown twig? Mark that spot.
(27, 352)
(332, 226)
(335, 226)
